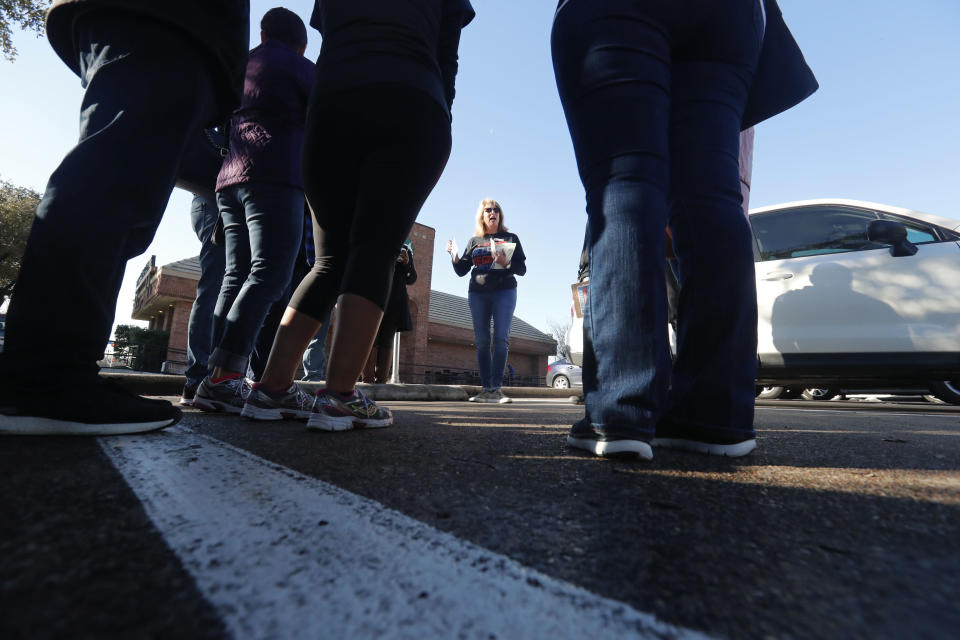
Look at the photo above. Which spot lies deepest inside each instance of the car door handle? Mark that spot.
(777, 275)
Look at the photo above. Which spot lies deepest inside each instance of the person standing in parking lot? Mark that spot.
(154, 74)
(495, 257)
(377, 141)
(655, 95)
(261, 201)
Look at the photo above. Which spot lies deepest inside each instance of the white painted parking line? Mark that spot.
(283, 555)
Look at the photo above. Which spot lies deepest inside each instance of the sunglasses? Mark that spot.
(492, 210)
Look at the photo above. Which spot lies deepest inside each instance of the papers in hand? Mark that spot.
(505, 248)
(454, 250)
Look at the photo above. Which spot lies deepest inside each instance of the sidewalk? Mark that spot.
(160, 384)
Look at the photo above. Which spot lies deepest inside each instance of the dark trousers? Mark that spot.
(371, 157)
(263, 229)
(148, 89)
(653, 94)
(204, 216)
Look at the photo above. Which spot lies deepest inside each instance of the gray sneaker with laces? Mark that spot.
(497, 396)
(331, 412)
(483, 396)
(294, 403)
(227, 395)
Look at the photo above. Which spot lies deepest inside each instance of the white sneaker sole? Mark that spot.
(206, 404)
(260, 413)
(323, 422)
(620, 448)
(729, 450)
(38, 426)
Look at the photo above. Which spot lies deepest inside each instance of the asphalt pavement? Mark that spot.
(477, 521)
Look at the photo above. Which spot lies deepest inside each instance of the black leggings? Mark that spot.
(371, 157)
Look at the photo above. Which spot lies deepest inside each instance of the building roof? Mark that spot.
(448, 309)
(188, 267)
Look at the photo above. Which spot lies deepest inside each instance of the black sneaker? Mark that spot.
(227, 395)
(671, 435)
(189, 392)
(91, 407)
(583, 435)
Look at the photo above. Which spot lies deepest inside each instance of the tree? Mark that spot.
(17, 205)
(561, 333)
(28, 14)
(143, 349)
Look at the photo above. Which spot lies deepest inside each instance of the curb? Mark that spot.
(161, 384)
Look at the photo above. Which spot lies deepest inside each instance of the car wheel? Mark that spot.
(819, 393)
(948, 391)
(769, 393)
(561, 382)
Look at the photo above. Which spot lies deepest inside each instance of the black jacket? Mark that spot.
(782, 78)
(397, 313)
(220, 27)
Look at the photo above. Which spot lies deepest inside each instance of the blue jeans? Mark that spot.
(653, 93)
(497, 306)
(263, 227)
(204, 215)
(315, 357)
(148, 88)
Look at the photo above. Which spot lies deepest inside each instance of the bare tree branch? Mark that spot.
(561, 333)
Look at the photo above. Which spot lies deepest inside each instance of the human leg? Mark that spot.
(204, 215)
(384, 358)
(272, 218)
(104, 188)
(369, 373)
(712, 386)
(392, 160)
(613, 75)
(481, 313)
(504, 304)
(315, 356)
(266, 335)
(262, 226)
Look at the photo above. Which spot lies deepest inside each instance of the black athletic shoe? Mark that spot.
(671, 435)
(86, 407)
(583, 435)
(189, 393)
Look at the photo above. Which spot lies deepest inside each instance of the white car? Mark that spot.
(854, 294)
(857, 294)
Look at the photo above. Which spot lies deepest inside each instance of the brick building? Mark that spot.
(439, 349)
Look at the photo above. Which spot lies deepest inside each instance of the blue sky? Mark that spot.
(883, 128)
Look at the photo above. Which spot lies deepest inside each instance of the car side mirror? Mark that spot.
(892, 233)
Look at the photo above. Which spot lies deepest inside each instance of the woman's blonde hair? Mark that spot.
(479, 230)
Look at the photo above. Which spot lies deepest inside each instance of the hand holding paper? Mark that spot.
(504, 249)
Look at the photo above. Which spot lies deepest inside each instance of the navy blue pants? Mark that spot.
(263, 229)
(204, 215)
(494, 307)
(653, 94)
(148, 90)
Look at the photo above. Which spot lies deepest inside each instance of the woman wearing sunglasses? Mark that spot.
(495, 256)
